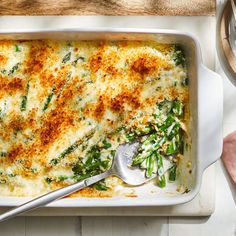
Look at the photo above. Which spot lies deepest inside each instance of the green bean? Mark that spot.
(78, 59)
(150, 165)
(165, 106)
(147, 152)
(172, 173)
(138, 159)
(160, 168)
(17, 49)
(172, 130)
(178, 108)
(66, 58)
(4, 71)
(62, 178)
(48, 180)
(14, 68)
(175, 145)
(149, 140)
(3, 154)
(179, 57)
(131, 137)
(72, 148)
(168, 122)
(145, 130)
(162, 181)
(101, 186)
(66, 152)
(48, 100)
(185, 82)
(106, 144)
(24, 99)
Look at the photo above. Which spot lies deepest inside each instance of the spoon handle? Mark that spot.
(52, 196)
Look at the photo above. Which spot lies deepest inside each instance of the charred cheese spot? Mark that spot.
(145, 64)
(3, 59)
(12, 85)
(54, 125)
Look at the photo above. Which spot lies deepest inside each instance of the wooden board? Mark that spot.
(107, 7)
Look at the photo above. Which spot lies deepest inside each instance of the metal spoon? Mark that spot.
(120, 168)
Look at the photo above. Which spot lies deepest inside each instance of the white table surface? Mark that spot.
(221, 223)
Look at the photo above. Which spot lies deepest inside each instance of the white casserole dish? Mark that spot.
(206, 116)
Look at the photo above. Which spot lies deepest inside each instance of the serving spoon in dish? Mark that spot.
(121, 167)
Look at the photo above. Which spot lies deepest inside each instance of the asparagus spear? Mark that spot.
(147, 151)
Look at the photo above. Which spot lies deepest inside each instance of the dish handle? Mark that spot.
(210, 116)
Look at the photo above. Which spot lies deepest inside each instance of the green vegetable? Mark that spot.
(11, 175)
(168, 122)
(106, 144)
(186, 191)
(162, 181)
(79, 178)
(3, 111)
(48, 180)
(62, 178)
(48, 100)
(92, 166)
(3, 154)
(171, 149)
(165, 106)
(130, 137)
(17, 49)
(149, 140)
(4, 71)
(176, 145)
(172, 173)
(144, 131)
(24, 99)
(172, 130)
(160, 168)
(54, 161)
(146, 150)
(14, 68)
(78, 59)
(150, 165)
(89, 82)
(65, 153)
(185, 82)
(84, 74)
(23, 103)
(179, 57)
(178, 108)
(101, 186)
(66, 58)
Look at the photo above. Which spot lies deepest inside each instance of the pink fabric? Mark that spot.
(229, 155)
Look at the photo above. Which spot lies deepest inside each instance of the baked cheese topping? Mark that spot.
(65, 106)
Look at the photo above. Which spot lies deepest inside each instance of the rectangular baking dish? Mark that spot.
(206, 116)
